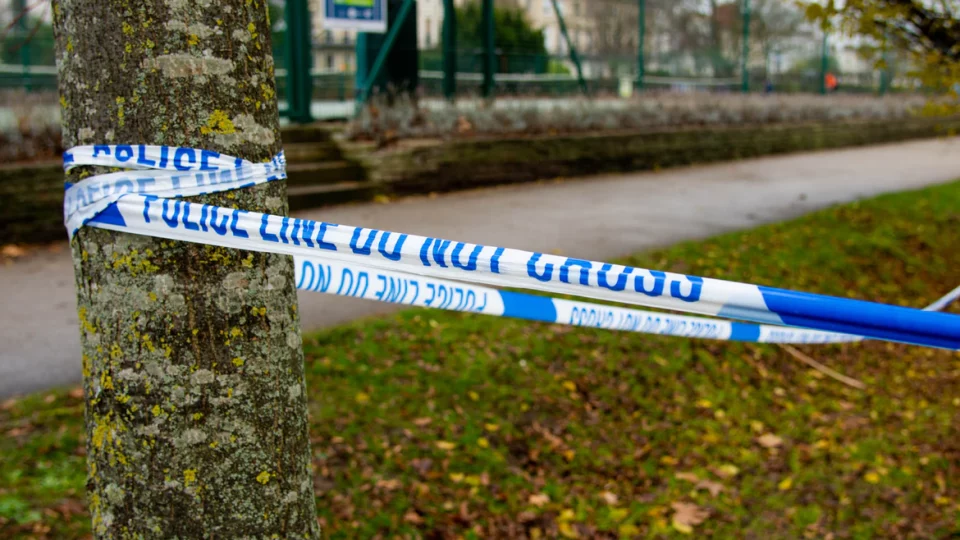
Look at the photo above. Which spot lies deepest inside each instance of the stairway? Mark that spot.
(318, 174)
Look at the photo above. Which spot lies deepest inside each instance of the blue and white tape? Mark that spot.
(152, 215)
(163, 171)
(324, 276)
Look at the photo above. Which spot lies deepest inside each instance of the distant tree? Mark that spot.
(514, 33)
(927, 31)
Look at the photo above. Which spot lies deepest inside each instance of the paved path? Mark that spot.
(594, 218)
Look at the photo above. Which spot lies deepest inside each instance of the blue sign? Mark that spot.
(360, 15)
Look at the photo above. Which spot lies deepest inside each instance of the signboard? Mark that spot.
(360, 15)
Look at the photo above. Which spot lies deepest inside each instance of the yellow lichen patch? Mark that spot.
(197, 416)
(128, 48)
(236, 332)
(238, 362)
(218, 122)
(263, 477)
(156, 410)
(189, 477)
(69, 45)
(268, 92)
(63, 102)
(193, 40)
(127, 29)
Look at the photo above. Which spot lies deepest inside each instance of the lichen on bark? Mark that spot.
(193, 370)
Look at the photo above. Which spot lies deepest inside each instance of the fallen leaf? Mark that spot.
(567, 530)
(727, 471)
(769, 440)
(389, 485)
(446, 445)
(49, 399)
(526, 517)
(491, 427)
(76, 393)
(872, 477)
(412, 517)
(362, 398)
(686, 516)
(713, 487)
(13, 251)
(422, 421)
(688, 476)
(668, 460)
(539, 499)
(609, 498)
(628, 530)
(482, 442)
(785, 484)
(456, 477)
(8, 404)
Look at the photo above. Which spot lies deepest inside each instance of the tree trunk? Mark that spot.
(196, 414)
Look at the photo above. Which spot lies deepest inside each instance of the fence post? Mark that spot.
(193, 376)
(19, 10)
(299, 61)
(824, 64)
(745, 56)
(489, 49)
(570, 45)
(641, 39)
(449, 39)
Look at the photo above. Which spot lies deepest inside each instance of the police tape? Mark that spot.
(156, 170)
(316, 274)
(152, 215)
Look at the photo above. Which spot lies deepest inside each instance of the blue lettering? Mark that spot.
(495, 260)
(532, 268)
(97, 149)
(293, 233)
(219, 229)
(126, 184)
(425, 251)
(354, 241)
(124, 153)
(439, 249)
(471, 265)
(322, 231)
(658, 281)
(585, 267)
(395, 256)
(695, 289)
(186, 219)
(142, 157)
(146, 206)
(234, 228)
(164, 151)
(171, 221)
(205, 156)
(621, 283)
(203, 217)
(143, 183)
(283, 230)
(264, 220)
(178, 158)
(308, 226)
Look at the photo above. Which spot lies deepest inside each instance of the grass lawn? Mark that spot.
(447, 425)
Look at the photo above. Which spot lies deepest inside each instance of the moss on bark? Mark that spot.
(193, 371)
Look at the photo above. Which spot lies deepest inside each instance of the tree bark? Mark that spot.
(196, 414)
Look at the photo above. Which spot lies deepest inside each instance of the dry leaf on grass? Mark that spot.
(713, 487)
(609, 498)
(686, 516)
(539, 499)
(688, 476)
(769, 440)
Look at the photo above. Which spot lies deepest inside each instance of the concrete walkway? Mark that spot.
(595, 218)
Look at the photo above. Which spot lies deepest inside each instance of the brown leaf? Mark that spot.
(540, 499)
(422, 421)
(688, 476)
(8, 404)
(13, 251)
(389, 485)
(76, 393)
(769, 440)
(412, 517)
(609, 498)
(713, 487)
(526, 517)
(687, 515)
